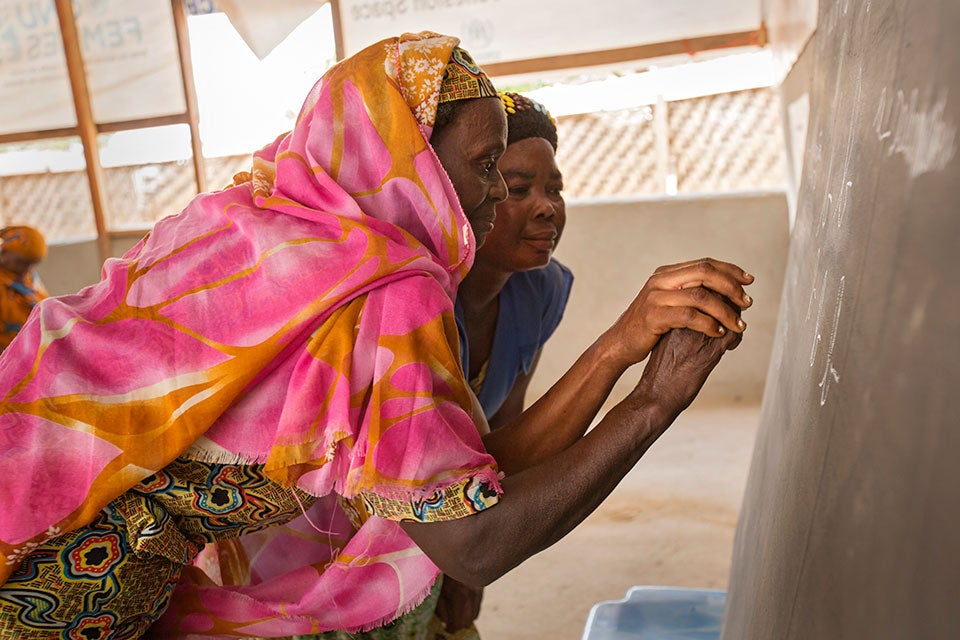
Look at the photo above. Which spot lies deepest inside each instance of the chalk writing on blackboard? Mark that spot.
(879, 120)
(815, 295)
(818, 295)
(830, 374)
(915, 127)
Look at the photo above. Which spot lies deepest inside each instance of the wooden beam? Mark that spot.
(337, 29)
(86, 127)
(143, 123)
(135, 232)
(29, 136)
(189, 93)
(689, 46)
(105, 127)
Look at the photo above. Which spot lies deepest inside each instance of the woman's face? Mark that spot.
(530, 221)
(468, 148)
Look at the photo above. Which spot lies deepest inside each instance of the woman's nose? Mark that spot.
(545, 207)
(498, 190)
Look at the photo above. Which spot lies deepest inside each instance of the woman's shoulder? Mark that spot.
(555, 275)
(549, 283)
(541, 293)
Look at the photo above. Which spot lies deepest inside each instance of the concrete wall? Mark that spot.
(71, 266)
(614, 246)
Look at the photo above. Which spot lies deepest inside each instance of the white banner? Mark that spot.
(129, 50)
(505, 30)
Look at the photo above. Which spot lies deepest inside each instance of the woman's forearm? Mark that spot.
(694, 295)
(561, 417)
(543, 503)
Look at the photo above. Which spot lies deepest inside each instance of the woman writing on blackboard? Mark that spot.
(289, 342)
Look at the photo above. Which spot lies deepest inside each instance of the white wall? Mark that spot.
(614, 246)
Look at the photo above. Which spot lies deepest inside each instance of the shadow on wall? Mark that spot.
(614, 246)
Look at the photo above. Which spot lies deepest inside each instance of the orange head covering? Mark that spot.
(24, 241)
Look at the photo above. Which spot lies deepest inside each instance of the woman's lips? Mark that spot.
(542, 241)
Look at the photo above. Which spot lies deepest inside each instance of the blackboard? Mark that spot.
(850, 525)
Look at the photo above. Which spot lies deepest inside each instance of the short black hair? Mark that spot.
(527, 118)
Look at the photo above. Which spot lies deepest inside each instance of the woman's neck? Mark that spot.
(481, 288)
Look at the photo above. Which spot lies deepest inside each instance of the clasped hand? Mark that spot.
(703, 295)
(685, 317)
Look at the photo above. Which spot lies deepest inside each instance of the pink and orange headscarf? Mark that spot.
(302, 319)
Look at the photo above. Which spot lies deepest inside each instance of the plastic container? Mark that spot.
(658, 613)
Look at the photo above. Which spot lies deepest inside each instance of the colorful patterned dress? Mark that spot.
(284, 345)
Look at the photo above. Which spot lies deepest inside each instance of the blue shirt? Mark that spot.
(531, 306)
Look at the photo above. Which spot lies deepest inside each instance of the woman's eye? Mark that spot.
(519, 192)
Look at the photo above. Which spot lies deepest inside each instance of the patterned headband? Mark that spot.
(463, 79)
(527, 118)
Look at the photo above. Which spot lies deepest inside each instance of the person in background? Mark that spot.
(21, 249)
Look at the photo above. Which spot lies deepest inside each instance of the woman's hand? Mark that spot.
(459, 604)
(680, 296)
(679, 365)
(688, 295)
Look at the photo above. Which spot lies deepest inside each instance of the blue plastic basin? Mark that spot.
(658, 613)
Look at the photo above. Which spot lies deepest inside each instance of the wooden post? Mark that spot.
(189, 92)
(666, 167)
(86, 126)
(337, 29)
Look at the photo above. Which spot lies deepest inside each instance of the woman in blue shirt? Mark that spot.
(514, 296)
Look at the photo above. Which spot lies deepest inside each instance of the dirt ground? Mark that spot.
(671, 522)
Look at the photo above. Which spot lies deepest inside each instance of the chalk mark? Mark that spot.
(829, 371)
